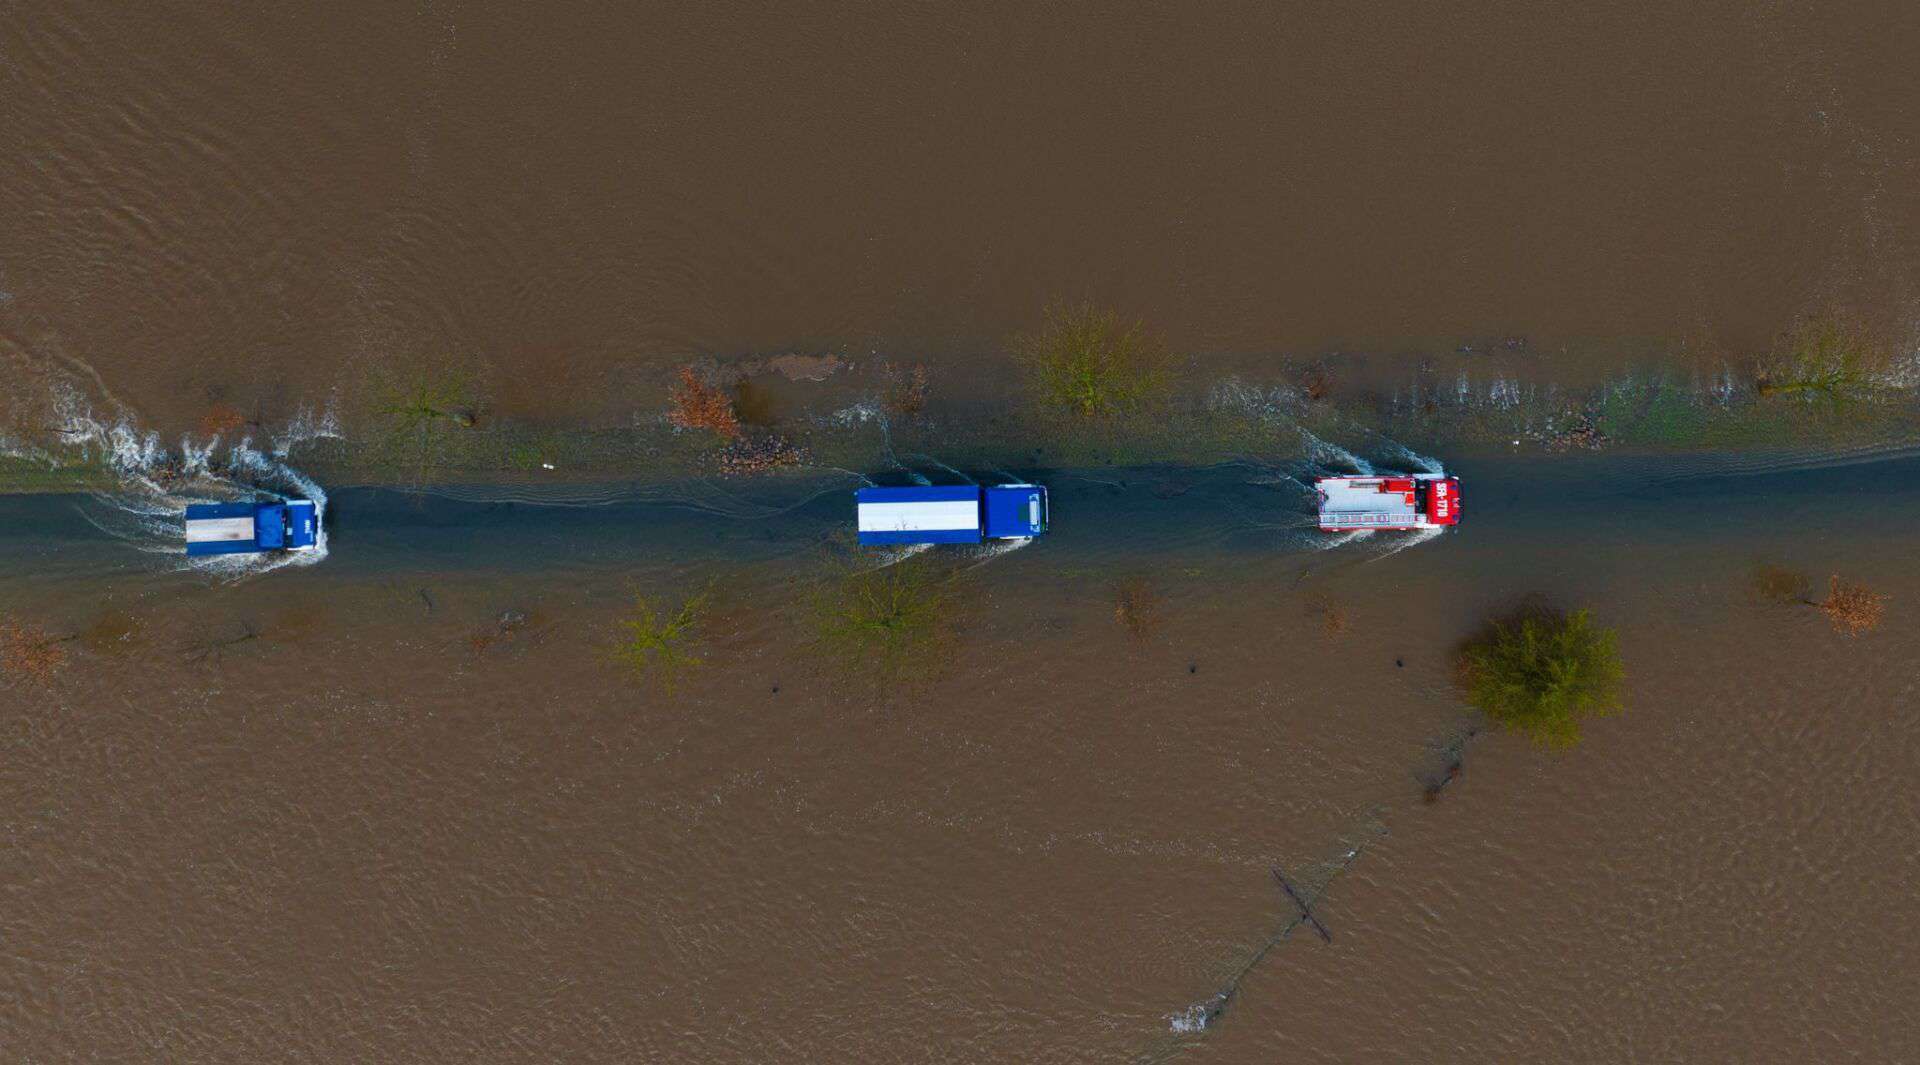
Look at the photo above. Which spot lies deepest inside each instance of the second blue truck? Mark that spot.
(956, 514)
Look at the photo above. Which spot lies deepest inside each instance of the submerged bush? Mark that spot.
(29, 653)
(886, 619)
(1779, 583)
(1136, 606)
(418, 406)
(1541, 673)
(695, 404)
(658, 647)
(1827, 356)
(906, 390)
(1085, 362)
(1331, 615)
(1853, 608)
(429, 399)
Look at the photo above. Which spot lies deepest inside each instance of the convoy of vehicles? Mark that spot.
(923, 514)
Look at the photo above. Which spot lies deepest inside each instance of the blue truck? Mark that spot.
(251, 528)
(959, 514)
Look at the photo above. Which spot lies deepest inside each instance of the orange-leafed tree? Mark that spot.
(28, 653)
(694, 404)
(1853, 608)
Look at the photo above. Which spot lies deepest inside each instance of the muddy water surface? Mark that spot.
(345, 811)
(400, 806)
(250, 207)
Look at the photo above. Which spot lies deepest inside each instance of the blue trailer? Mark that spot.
(250, 528)
(960, 514)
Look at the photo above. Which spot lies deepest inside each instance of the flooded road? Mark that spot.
(403, 805)
(342, 812)
(567, 201)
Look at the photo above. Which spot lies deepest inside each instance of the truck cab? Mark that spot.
(252, 528)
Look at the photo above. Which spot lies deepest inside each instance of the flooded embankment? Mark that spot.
(405, 804)
(1644, 275)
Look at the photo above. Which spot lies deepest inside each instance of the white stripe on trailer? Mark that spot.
(1371, 518)
(219, 530)
(923, 516)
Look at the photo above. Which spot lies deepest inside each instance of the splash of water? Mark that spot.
(1422, 463)
(893, 556)
(1333, 456)
(1411, 539)
(986, 553)
(1277, 403)
(942, 465)
(155, 484)
(1195, 1018)
(1352, 536)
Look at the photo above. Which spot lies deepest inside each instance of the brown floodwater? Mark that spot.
(210, 203)
(343, 812)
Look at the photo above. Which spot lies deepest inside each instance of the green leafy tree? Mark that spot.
(888, 619)
(1542, 673)
(659, 646)
(1086, 362)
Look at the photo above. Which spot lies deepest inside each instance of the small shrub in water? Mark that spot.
(886, 619)
(418, 407)
(1542, 673)
(906, 390)
(1136, 606)
(28, 653)
(695, 404)
(1333, 616)
(1085, 362)
(657, 646)
(1853, 608)
(428, 399)
(1779, 583)
(1828, 357)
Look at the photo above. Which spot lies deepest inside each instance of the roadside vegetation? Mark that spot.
(1093, 388)
(1088, 363)
(1137, 607)
(1779, 584)
(1542, 673)
(1328, 611)
(889, 621)
(658, 646)
(692, 403)
(30, 654)
(739, 418)
(417, 410)
(1827, 357)
(1854, 609)
(905, 392)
